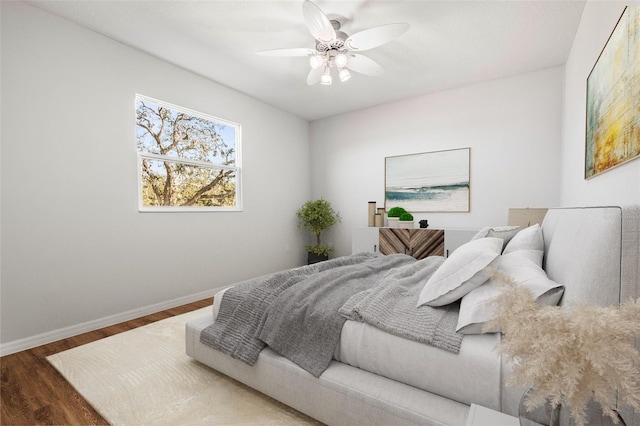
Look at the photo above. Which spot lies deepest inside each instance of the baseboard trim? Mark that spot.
(63, 333)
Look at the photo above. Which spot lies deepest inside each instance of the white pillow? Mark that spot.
(504, 232)
(523, 267)
(528, 239)
(463, 271)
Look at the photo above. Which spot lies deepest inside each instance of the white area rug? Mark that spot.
(144, 377)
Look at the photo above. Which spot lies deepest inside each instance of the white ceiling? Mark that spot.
(449, 44)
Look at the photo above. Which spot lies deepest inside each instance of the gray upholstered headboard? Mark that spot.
(595, 253)
(584, 251)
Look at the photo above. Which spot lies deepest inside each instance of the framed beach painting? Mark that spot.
(429, 182)
(613, 99)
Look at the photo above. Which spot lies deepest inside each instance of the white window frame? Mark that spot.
(158, 157)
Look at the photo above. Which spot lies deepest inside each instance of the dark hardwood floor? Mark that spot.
(32, 391)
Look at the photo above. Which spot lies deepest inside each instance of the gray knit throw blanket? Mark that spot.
(391, 306)
(295, 312)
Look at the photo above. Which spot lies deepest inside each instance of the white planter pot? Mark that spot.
(406, 224)
(393, 222)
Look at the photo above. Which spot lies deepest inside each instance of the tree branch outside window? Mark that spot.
(187, 160)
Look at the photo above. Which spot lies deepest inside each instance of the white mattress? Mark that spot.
(471, 376)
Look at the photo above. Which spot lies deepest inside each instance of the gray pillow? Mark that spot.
(503, 232)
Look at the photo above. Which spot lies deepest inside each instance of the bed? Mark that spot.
(379, 376)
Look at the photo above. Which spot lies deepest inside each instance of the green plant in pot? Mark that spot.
(406, 220)
(393, 216)
(317, 216)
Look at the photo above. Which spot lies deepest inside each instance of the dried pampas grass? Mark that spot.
(569, 354)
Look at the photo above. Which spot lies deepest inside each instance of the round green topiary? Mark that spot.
(395, 212)
(406, 217)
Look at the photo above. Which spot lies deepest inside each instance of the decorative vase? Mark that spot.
(559, 415)
(379, 220)
(545, 415)
(595, 416)
(372, 213)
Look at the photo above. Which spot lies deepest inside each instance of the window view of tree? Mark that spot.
(187, 159)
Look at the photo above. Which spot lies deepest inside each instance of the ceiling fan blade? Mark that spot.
(364, 65)
(296, 51)
(374, 37)
(314, 75)
(317, 22)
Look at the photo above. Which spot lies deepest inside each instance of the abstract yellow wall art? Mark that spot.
(613, 99)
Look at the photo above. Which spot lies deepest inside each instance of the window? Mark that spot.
(188, 161)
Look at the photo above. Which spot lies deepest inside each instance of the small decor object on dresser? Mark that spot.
(393, 216)
(406, 220)
(317, 216)
(372, 213)
(379, 219)
(424, 223)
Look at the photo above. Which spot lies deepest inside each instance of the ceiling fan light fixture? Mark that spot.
(344, 74)
(341, 60)
(326, 76)
(315, 61)
(334, 48)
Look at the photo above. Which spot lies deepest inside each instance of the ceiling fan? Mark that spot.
(336, 50)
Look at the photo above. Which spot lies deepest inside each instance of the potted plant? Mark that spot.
(393, 216)
(406, 220)
(317, 216)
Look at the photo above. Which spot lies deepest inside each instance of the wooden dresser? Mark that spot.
(416, 242)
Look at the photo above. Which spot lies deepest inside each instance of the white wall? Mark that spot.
(74, 247)
(512, 125)
(75, 250)
(618, 186)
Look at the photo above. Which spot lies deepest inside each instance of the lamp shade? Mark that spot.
(341, 60)
(344, 75)
(326, 76)
(315, 61)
